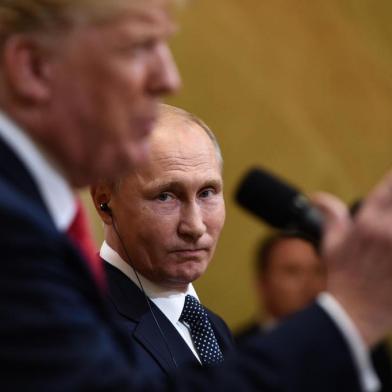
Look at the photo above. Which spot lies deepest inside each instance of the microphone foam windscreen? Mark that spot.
(267, 197)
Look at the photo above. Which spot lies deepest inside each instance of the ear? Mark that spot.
(101, 193)
(26, 64)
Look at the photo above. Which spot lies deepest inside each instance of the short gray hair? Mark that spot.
(169, 110)
(166, 111)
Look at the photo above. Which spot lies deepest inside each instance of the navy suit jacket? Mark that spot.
(154, 356)
(57, 334)
(380, 355)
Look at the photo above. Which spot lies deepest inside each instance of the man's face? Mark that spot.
(170, 212)
(293, 278)
(106, 81)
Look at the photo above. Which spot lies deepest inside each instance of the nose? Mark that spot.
(166, 78)
(191, 226)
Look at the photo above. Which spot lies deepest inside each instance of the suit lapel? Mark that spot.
(17, 176)
(222, 333)
(169, 351)
(131, 303)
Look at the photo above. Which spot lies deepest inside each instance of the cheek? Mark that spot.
(111, 91)
(156, 236)
(126, 80)
(216, 226)
(281, 287)
(215, 219)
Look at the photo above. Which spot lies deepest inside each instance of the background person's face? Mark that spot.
(105, 85)
(293, 278)
(170, 212)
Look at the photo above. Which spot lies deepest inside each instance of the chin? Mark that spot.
(190, 276)
(186, 273)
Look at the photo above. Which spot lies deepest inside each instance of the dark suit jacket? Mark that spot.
(380, 355)
(56, 333)
(154, 356)
(247, 331)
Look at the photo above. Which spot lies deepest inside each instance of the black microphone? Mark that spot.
(279, 204)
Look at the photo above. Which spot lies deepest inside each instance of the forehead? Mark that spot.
(131, 17)
(293, 251)
(152, 14)
(101, 11)
(181, 150)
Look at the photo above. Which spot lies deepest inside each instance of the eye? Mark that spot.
(164, 196)
(136, 49)
(205, 193)
(143, 47)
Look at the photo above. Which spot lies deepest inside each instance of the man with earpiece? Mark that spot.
(162, 223)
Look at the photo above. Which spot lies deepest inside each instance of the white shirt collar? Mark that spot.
(54, 189)
(170, 302)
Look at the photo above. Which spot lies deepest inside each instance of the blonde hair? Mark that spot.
(21, 16)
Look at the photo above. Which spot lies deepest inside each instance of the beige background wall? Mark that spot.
(300, 87)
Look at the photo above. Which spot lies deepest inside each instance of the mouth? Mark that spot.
(190, 253)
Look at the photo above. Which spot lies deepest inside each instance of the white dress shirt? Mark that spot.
(368, 378)
(169, 302)
(54, 189)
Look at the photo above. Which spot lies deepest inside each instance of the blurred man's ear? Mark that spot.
(101, 194)
(26, 69)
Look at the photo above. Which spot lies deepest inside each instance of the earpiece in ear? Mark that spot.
(105, 208)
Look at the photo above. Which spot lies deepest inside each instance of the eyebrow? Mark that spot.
(166, 185)
(128, 32)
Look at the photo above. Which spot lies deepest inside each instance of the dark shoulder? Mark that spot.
(22, 214)
(247, 331)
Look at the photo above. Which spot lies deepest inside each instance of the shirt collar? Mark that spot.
(170, 302)
(54, 189)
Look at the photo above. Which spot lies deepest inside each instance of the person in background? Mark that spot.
(288, 276)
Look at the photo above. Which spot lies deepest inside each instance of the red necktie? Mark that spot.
(80, 235)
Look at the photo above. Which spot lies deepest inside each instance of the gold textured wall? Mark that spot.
(300, 87)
